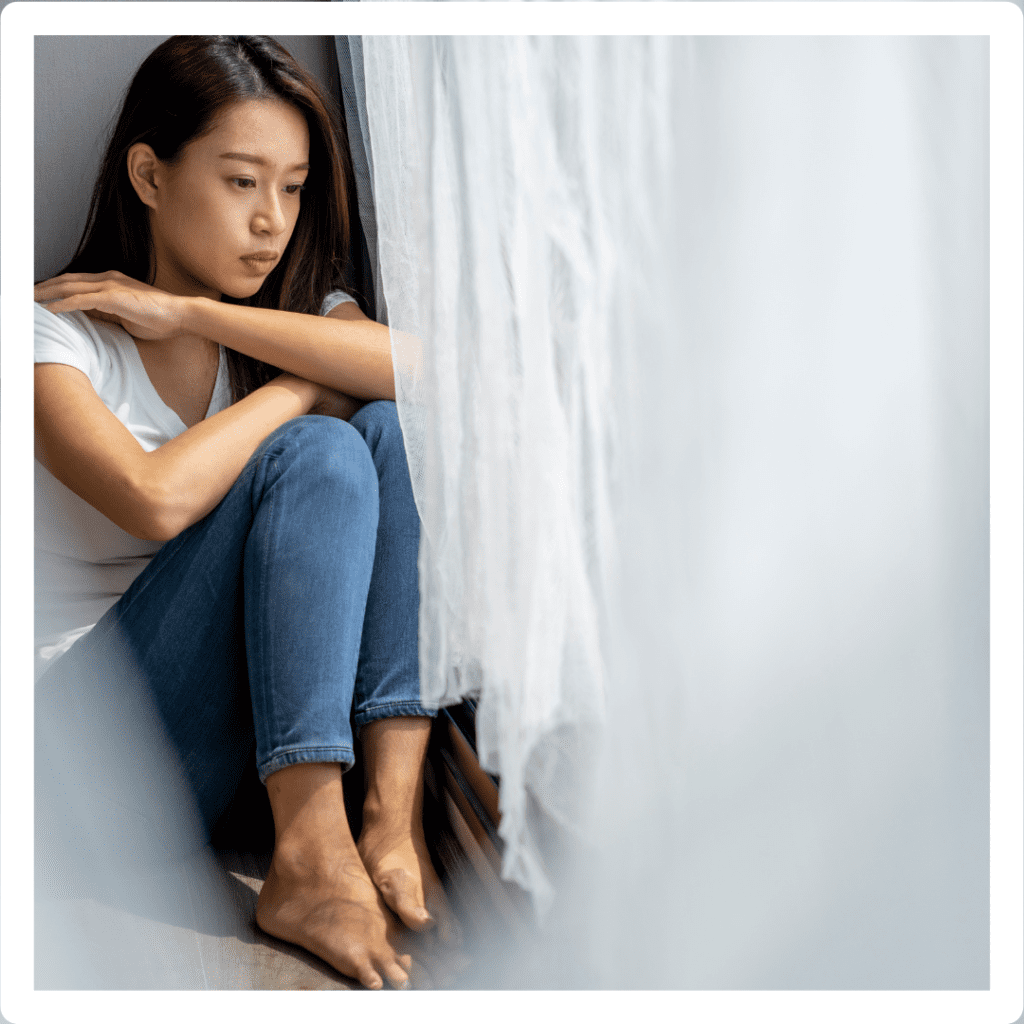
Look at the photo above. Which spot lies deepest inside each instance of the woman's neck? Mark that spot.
(175, 281)
(183, 371)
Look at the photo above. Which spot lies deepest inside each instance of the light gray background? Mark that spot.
(79, 84)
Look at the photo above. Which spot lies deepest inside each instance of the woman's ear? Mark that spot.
(144, 172)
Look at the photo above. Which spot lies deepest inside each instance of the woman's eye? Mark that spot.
(244, 182)
(293, 190)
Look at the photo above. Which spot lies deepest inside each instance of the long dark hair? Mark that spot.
(174, 98)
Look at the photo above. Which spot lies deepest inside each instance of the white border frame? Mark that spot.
(1001, 22)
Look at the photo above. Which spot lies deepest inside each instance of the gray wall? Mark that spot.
(79, 83)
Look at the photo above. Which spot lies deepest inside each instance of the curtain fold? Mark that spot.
(349, 50)
(691, 347)
(511, 588)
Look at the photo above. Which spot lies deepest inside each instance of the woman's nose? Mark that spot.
(269, 217)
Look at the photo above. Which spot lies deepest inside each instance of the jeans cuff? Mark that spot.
(390, 709)
(307, 755)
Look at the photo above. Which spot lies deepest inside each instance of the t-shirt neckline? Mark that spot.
(174, 423)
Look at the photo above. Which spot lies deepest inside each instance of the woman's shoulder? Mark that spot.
(75, 340)
(335, 297)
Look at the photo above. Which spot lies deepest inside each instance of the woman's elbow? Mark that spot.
(155, 513)
(158, 528)
(152, 526)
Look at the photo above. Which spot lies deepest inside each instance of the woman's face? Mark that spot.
(225, 210)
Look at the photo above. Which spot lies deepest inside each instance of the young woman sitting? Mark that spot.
(222, 486)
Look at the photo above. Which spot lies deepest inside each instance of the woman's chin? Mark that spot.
(243, 289)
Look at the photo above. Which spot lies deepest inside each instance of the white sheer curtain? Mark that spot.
(692, 347)
(496, 253)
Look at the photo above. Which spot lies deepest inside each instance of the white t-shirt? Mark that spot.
(83, 561)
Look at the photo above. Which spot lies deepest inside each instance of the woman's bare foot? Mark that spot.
(317, 893)
(395, 856)
(391, 844)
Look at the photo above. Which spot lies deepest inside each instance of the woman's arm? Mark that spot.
(155, 495)
(344, 351)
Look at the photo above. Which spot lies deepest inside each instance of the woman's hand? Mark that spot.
(334, 403)
(143, 311)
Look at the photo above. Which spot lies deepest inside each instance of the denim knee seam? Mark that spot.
(344, 756)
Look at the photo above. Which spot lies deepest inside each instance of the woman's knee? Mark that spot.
(327, 451)
(380, 428)
(378, 421)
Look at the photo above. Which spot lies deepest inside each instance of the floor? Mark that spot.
(480, 899)
(191, 925)
(256, 960)
(129, 915)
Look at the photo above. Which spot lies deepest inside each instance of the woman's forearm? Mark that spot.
(188, 476)
(351, 356)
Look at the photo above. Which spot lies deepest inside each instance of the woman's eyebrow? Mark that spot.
(259, 160)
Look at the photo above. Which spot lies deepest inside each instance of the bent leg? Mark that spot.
(388, 680)
(394, 725)
(308, 561)
(267, 594)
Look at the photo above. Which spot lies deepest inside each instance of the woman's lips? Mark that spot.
(262, 261)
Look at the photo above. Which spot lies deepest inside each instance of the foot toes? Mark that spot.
(368, 976)
(399, 891)
(396, 976)
(413, 915)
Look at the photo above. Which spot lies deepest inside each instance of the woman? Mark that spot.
(248, 534)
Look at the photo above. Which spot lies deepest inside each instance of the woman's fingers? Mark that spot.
(100, 291)
(72, 284)
(107, 275)
(78, 289)
(80, 301)
(104, 276)
(48, 291)
(98, 306)
(145, 312)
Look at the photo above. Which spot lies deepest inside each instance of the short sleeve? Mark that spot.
(70, 340)
(334, 298)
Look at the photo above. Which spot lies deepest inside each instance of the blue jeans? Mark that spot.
(285, 617)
